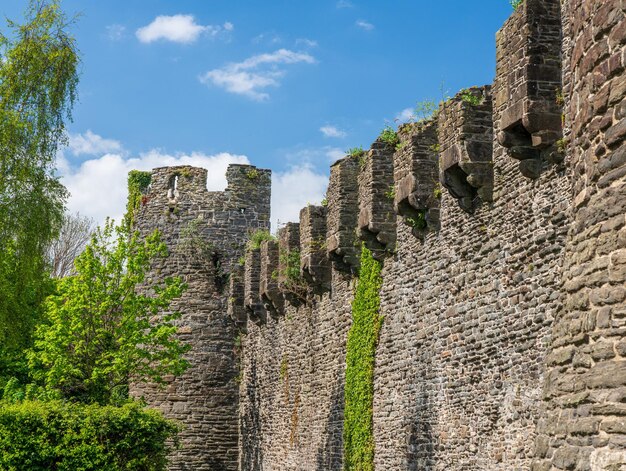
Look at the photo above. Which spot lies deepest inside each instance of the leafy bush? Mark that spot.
(358, 434)
(61, 436)
(389, 136)
(101, 330)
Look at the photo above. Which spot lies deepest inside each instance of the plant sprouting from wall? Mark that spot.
(355, 152)
(289, 274)
(254, 243)
(138, 183)
(252, 174)
(389, 136)
(358, 433)
(418, 221)
(516, 3)
(425, 110)
(391, 192)
(473, 100)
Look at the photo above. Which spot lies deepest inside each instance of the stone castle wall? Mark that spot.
(500, 225)
(205, 398)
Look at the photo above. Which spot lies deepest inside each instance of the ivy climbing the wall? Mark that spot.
(138, 183)
(358, 436)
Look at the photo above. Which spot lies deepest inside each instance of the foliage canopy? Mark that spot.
(102, 329)
(38, 79)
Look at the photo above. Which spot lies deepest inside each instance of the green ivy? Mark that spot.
(138, 183)
(358, 434)
(55, 435)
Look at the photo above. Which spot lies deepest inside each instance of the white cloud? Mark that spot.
(405, 115)
(334, 154)
(90, 143)
(251, 76)
(269, 37)
(332, 131)
(365, 25)
(98, 186)
(292, 190)
(306, 42)
(115, 32)
(344, 4)
(178, 28)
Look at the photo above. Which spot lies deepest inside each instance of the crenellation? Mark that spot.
(502, 343)
(528, 83)
(466, 146)
(416, 176)
(289, 271)
(314, 262)
(269, 291)
(377, 219)
(252, 284)
(343, 211)
(236, 309)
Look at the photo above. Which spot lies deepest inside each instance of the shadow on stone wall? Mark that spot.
(251, 426)
(420, 449)
(329, 455)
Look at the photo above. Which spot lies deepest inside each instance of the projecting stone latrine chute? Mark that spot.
(500, 229)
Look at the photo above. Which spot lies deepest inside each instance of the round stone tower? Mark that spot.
(205, 233)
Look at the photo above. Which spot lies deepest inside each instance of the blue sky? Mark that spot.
(286, 85)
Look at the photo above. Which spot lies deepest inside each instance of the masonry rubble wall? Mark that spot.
(502, 341)
(205, 398)
(500, 226)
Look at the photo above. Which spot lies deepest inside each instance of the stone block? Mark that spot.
(527, 113)
(416, 176)
(271, 296)
(252, 279)
(466, 146)
(343, 208)
(314, 262)
(376, 223)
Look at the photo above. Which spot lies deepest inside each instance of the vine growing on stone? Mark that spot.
(138, 183)
(358, 434)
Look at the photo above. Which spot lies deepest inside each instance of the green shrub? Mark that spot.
(254, 243)
(358, 435)
(468, 97)
(389, 136)
(61, 436)
(355, 151)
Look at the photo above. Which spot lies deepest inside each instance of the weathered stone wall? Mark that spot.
(205, 398)
(501, 228)
(585, 384)
(482, 200)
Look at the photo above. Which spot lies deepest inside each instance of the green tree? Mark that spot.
(108, 323)
(38, 79)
